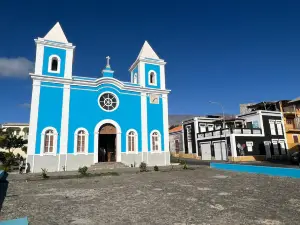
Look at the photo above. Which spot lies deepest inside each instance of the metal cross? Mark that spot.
(108, 58)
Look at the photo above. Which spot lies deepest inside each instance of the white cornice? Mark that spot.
(54, 44)
(97, 82)
(146, 60)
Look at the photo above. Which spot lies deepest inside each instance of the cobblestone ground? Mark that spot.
(202, 196)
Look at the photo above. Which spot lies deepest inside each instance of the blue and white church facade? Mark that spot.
(80, 121)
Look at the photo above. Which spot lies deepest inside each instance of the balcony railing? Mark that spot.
(218, 133)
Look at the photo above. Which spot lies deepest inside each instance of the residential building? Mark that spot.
(257, 135)
(80, 121)
(176, 141)
(18, 129)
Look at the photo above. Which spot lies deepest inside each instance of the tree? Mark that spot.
(11, 142)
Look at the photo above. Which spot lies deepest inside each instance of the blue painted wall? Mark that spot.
(48, 51)
(50, 111)
(156, 68)
(155, 120)
(85, 112)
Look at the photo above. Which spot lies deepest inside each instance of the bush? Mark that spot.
(83, 170)
(182, 162)
(185, 167)
(156, 168)
(44, 173)
(143, 167)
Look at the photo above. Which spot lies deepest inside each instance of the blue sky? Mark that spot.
(227, 51)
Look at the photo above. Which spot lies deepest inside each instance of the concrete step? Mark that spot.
(107, 165)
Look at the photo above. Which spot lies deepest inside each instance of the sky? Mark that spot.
(230, 52)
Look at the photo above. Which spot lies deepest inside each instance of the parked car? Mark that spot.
(295, 157)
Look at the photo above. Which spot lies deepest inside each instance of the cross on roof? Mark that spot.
(107, 64)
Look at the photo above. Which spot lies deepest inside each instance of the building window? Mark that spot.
(81, 140)
(54, 64)
(177, 146)
(155, 141)
(272, 127)
(249, 145)
(49, 141)
(279, 127)
(108, 101)
(210, 127)
(152, 77)
(295, 137)
(189, 132)
(289, 121)
(202, 128)
(135, 79)
(132, 141)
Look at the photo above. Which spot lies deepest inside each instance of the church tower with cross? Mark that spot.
(80, 121)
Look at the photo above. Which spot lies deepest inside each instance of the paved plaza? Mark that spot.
(201, 196)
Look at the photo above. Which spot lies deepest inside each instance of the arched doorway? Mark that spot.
(107, 143)
(117, 139)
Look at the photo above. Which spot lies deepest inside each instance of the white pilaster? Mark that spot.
(39, 59)
(233, 145)
(141, 67)
(144, 122)
(196, 129)
(165, 121)
(69, 62)
(35, 99)
(64, 130)
(162, 77)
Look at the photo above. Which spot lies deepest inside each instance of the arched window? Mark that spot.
(155, 141)
(132, 141)
(54, 64)
(152, 78)
(49, 141)
(81, 141)
(135, 79)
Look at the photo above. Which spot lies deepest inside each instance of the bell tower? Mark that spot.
(148, 70)
(54, 54)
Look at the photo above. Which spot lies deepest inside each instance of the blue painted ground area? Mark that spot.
(272, 171)
(21, 221)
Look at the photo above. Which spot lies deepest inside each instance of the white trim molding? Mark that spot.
(65, 120)
(39, 59)
(136, 138)
(34, 112)
(165, 122)
(155, 78)
(158, 141)
(118, 136)
(51, 57)
(86, 136)
(69, 63)
(162, 75)
(144, 122)
(55, 137)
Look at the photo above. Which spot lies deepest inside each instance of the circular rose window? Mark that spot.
(108, 101)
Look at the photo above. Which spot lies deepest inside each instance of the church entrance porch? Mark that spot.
(107, 143)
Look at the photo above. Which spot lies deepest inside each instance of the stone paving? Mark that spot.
(201, 196)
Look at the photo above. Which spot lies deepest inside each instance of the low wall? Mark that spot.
(266, 170)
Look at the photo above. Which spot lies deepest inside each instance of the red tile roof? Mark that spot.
(176, 129)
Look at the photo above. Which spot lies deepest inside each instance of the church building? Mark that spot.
(80, 121)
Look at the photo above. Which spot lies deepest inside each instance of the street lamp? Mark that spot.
(223, 126)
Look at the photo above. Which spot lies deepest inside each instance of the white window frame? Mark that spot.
(155, 74)
(159, 142)
(249, 145)
(282, 146)
(135, 141)
(86, 147)
(279, 127)
(202, 125)
(210, 126)
(50, 64)
(117, 100)
(42, 148)
(272, 122)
